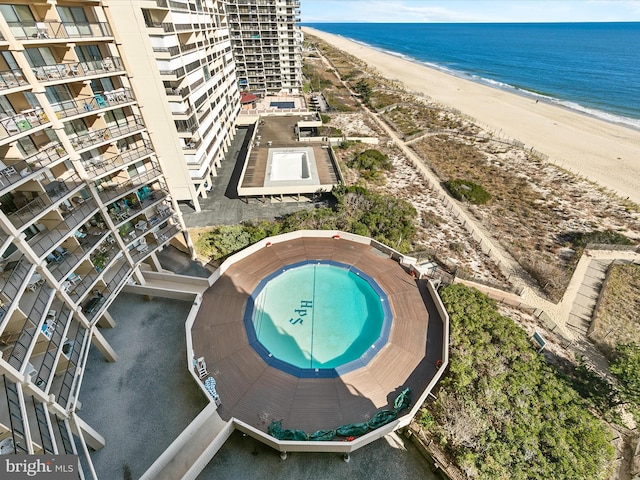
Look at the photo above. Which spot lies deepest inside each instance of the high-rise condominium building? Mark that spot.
(267, 45)
(179, 56)
(84, 198)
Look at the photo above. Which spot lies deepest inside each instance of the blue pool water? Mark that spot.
(315, 317)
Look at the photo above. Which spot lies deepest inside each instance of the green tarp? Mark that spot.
(352, 430)
(381, 418)
(276, 430)
(322, 436)
(403, 400)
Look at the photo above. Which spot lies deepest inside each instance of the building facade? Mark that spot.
(85, 200)
(179, 56)
(267, 45)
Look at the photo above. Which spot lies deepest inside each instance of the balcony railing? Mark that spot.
(46, 30)
(15, 172)
(12, 284)
(22, 347)
(97, 102)
(178, 72)
(12, 78)
(99, 166)
(95, 137)
(28, 212)
(47, 367)
(77, 345)
(48, 239)
(142, 250)
(62, 266)
(59, 71)
(111, 191)
(22, 122)
(167, 27)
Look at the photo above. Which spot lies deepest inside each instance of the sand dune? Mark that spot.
(606, 153)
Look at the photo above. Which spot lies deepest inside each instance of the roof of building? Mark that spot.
(246, 97)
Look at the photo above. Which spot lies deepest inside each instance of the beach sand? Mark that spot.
(606, 153)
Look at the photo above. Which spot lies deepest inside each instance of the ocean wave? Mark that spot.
(594, 112)
(600, 114)
(609, 117)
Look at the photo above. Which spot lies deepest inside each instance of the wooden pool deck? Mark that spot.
(257, 393)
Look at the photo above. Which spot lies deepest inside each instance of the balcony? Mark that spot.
(25, 342)
(77, 70)
(12, 78)
(141, 250)
(97, 102)
(95, 137)
(112, 190)
(22, 122)
(47, 240)
(17, 170)
(99, 166)
(166, 27)
(58, 30)
(47, 364)
(13, 282)
(174, 74)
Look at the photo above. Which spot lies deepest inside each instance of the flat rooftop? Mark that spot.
(275, 137)
(256, 393)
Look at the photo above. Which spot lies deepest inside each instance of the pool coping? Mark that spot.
(299, 372)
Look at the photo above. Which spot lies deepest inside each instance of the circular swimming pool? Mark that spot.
(318, 319)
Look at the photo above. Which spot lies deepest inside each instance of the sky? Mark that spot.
(475, 11)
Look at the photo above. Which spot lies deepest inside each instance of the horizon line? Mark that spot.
(469, 22)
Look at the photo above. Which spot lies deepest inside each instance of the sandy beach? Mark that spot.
(606, 153)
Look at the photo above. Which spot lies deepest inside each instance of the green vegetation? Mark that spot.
(370, 163)
(502, 412)
(608, 237)
(626, 367)
(316, 80)
(363, 89)
(467, 190)
(325, 118)
(384, 218)
(616, 320)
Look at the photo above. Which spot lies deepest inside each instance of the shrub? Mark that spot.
(370, 163)
(607, 237)
(467, 190)
(325, 118)
(222, 241)
(626, 366)
(502, 410)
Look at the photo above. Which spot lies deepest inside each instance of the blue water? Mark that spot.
(317, 316)
(590, 67)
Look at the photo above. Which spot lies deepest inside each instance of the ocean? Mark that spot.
(590, 67)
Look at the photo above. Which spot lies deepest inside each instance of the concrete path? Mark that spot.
(184, 457)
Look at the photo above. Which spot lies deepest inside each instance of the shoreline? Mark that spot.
(616, 119)
(602, 151)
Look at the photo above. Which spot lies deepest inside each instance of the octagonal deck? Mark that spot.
(257, 394)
